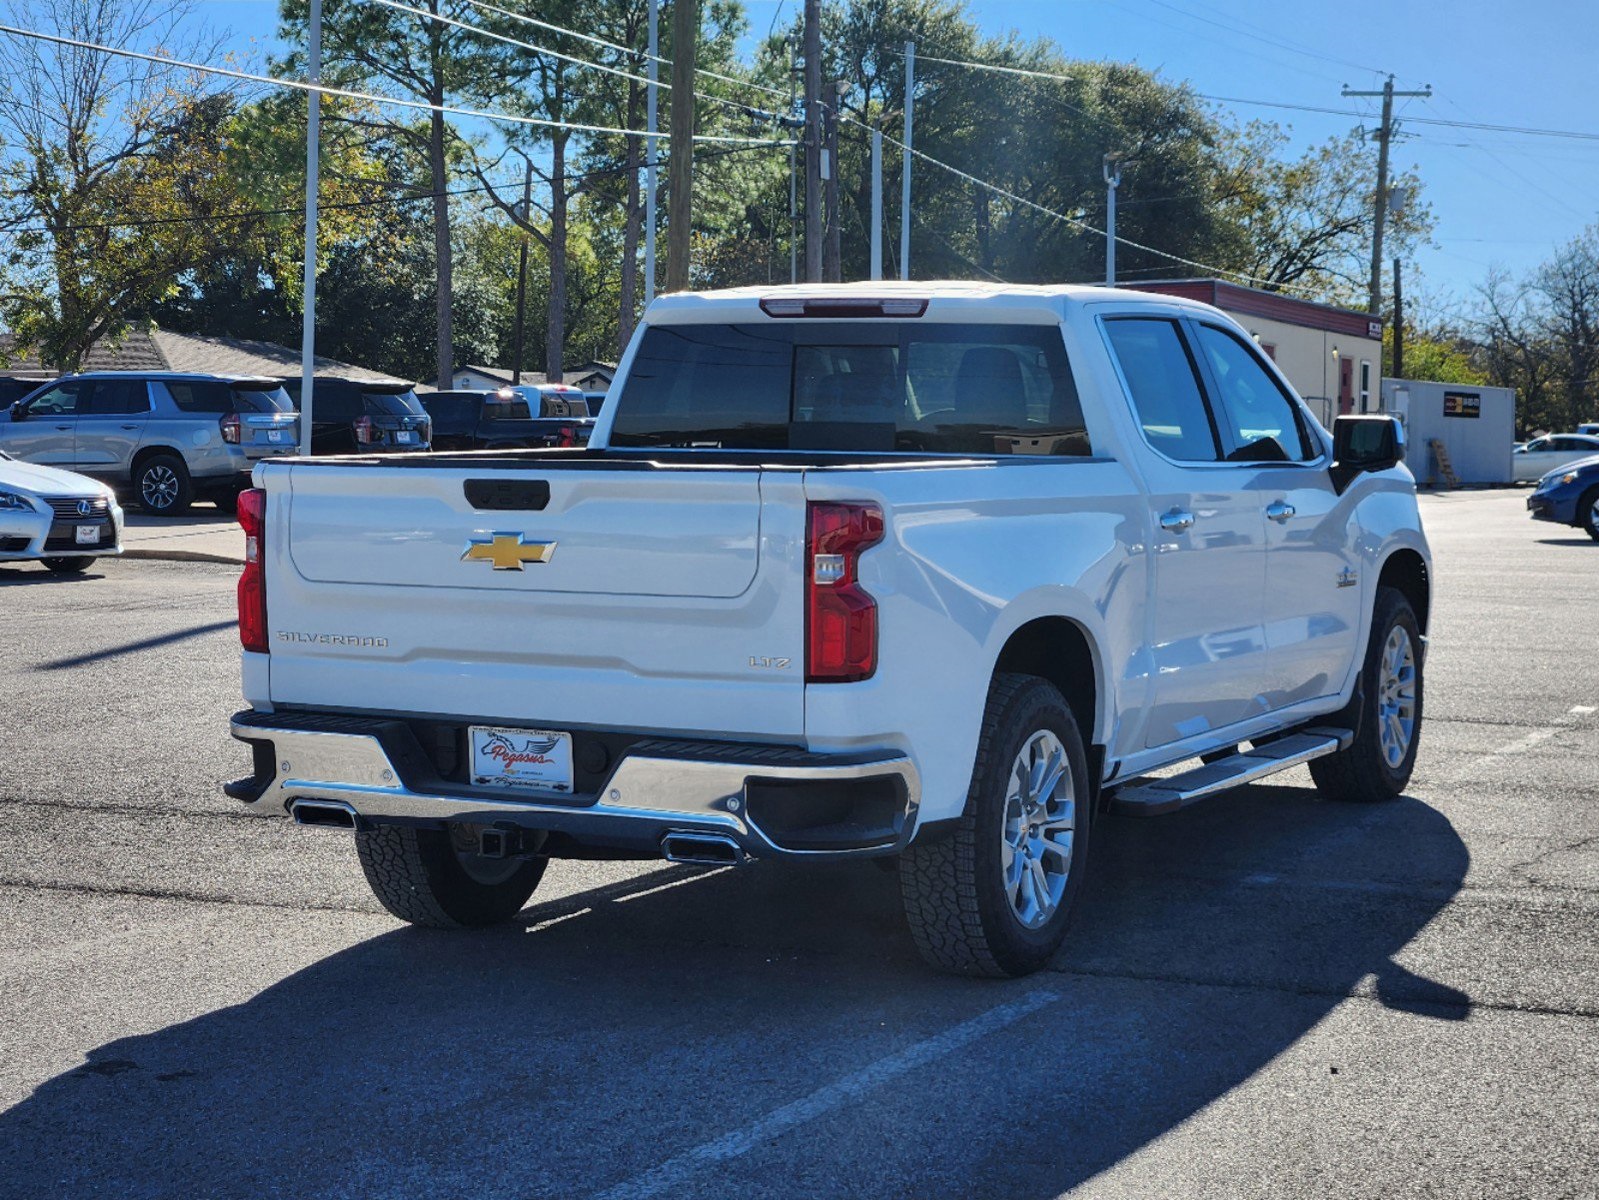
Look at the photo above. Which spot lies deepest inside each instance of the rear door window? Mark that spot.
(117, 397)
(1163, 384)
(853, 385)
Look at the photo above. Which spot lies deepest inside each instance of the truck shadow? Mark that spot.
(607, 1032)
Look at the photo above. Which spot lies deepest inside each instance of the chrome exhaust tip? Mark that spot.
(325, 814)
(703, 849)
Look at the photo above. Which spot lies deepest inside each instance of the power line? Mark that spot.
(1281, 45)
(370, 97)
(644, 54)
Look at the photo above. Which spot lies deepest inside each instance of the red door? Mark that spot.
(1346, 388)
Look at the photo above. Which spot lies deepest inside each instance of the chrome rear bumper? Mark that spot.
(655, 790)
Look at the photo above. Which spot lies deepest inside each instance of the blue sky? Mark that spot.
(1497, 198)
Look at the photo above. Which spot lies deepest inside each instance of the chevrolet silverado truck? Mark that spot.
(936, 573)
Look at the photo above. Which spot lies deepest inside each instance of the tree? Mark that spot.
(426, 60)
(1306, 222)
(111, 179)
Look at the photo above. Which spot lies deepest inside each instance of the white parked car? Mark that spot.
(919, 570)
(59, 518)
(1535, 459)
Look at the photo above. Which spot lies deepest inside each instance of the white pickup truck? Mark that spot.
(935, 571)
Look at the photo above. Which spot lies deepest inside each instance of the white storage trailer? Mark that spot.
(1475, 424)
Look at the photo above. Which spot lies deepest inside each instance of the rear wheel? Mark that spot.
(67, 566)
(1378, 762)
(436, 877)
(994, 895)
(164, 486)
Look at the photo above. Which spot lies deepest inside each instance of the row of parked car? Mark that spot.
(167, 440)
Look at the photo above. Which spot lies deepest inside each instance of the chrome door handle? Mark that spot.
(1279, 511)
(1176, 521)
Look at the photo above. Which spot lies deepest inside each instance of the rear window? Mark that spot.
(853, 385)
(392, 404)
(497, 409)
(262, 400)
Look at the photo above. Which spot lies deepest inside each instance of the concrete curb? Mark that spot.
(181, 556)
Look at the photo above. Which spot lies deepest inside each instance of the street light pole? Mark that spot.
(1112, 170)
(651, 160)
(313, 162)
(905, 166)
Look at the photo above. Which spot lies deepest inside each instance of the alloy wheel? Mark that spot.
(1039, 828)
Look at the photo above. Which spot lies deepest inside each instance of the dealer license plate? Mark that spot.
(534, 760)
(88, 535)
(404, 435)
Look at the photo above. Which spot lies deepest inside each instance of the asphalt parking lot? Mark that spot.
(1265, 995)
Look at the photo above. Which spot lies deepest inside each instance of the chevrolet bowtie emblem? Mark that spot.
(507, 551)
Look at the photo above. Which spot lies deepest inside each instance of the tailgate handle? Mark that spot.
(508, 495)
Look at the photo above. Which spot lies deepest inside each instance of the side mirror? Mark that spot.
(1365, 442)
(18, 410)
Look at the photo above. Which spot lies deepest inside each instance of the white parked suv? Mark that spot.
(934, 571)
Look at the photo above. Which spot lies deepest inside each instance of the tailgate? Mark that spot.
(567, 595)
(265, 434)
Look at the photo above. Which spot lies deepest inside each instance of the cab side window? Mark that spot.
(61, 400)
(1263, 422)
(1163, 382)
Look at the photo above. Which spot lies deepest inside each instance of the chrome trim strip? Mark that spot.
(694, 795)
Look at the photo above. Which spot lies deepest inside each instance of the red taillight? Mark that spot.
(567, 437)
(252, 584)
(840, 617)
(232, 428)
(364, 432)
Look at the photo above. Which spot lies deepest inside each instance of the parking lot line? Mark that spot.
(674, 1172)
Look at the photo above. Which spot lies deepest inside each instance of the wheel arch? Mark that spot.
(1406, 571)
(1060, 650)
(145, 453)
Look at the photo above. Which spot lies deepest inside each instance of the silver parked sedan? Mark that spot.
(168, 438)
(55, 517)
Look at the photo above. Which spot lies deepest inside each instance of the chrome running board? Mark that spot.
(1147, 796)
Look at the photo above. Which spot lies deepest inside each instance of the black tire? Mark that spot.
(952, 881)
(163, 485)
(1588, 513)
(67, 566)
(420, 877)
(1362, 772)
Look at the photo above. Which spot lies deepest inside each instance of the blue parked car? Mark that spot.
(1569, 495)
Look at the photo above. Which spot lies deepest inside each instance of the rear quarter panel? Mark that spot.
(970, 555)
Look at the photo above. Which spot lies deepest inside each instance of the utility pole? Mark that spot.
(832, 244)
(1399, 324)
(813, 141)
(313, 162)
(652, 124)
(905, 166)
(521, 272)
(793, 168)
(877, 204)
(1112, 170)
(1385, 133)
(680, 167)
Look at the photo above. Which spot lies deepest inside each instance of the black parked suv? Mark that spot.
(471, 420)
(364, 418)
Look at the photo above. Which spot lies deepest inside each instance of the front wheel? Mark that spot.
(1378, 762)
(1588, 513)
(435, 877)
(994, 895)
(67, 566)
